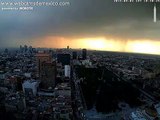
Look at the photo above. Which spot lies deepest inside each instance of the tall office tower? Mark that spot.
(74, 55)
(48, 75)
(67, 71)
(40, 58)
(21, 49)
(84, 54)
(25, 48)
(64, 59)
(30, 49)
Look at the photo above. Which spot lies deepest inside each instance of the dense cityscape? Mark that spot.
(79, 60)
(78, 84)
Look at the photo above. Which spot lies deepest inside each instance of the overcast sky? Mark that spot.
(80, 19)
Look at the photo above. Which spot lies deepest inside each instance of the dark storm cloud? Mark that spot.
(82, 18)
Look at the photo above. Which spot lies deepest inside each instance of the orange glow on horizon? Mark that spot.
(147, 46)
(102, 43)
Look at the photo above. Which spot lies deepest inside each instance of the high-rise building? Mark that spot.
(46, 69)
(84, 54)
(30, 49)
(74, 55)
(21, 49)
(25, 48)
(67, 71)
(48, 75)
(42, 57)
(64, 59)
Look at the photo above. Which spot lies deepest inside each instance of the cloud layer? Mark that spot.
(80, 19)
